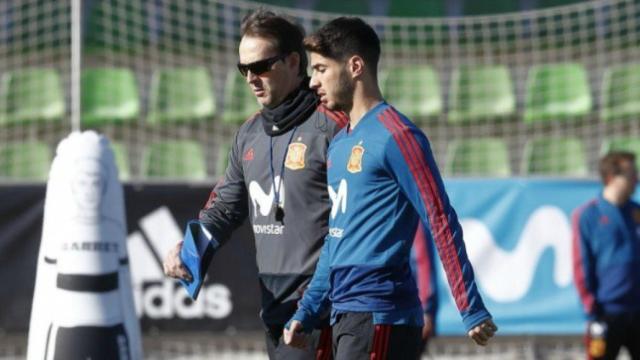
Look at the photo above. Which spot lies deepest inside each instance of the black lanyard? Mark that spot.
(277, 188)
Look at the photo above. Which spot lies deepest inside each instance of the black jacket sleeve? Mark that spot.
(227, 207)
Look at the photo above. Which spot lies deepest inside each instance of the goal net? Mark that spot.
(534, 93)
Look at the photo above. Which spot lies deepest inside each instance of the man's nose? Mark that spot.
(250, 77)
(314, 83)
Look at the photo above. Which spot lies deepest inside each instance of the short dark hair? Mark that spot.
(287, 35)
(611, 163)
(343, 37)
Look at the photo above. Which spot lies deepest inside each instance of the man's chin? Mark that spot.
(333, 106)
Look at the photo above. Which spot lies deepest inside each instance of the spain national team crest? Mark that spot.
(295, 155)
(355, 160)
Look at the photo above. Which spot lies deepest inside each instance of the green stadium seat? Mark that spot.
(181, 95)
(122, 160)
(557, 92)
(109, 95)
(351, 7)
(630, 144)
(239, 101)
(482, 92)
(28, 160)
(31, 95)
(554, 156)
(478, 157)
(621, 93)
(175, 159)
(414, 89)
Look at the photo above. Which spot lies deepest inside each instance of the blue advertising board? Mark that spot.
(518, 237)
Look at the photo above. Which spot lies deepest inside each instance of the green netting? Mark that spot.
(630, 144)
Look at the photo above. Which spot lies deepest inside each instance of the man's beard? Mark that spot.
(344, 93)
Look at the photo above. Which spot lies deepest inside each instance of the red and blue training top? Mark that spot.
(383, 180)
(606, 257)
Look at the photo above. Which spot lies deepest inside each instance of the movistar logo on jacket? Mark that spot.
(263, 201)
(338, 203)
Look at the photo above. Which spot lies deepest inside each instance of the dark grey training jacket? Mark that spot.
(287, 251)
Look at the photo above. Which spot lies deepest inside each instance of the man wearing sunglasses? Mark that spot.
(276, 177)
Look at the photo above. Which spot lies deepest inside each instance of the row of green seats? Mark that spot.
(172, 159)
(542, 156)
(176, 95)
(110, 95)
(554, 92)
(185, 159)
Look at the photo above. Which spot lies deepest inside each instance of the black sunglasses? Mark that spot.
(261, 66)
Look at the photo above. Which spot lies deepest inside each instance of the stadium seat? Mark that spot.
(174, 159)
(482, 92)
(478, 157)
(122, 160)
(621, 93)
(554, 156)
(181, 95)
(31, 95)
(557, 92)
(239, 101)
(109, 95)
(630, 144)
(28, 160)
(413, 89)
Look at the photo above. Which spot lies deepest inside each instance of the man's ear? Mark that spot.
(293, 60)
(356, 66)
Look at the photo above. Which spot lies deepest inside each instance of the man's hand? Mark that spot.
(173, 265)
(294, 336)
(483, 332)
(427, 329)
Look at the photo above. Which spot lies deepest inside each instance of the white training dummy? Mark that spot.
(83, 304)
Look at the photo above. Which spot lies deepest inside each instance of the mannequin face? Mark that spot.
(88, 185)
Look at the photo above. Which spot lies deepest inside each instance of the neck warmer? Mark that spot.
(293, 110)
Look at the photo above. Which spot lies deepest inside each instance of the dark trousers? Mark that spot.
(356, 337)
(319, 346)
(623, 330)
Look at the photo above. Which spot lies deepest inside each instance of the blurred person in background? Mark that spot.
(383, 181)
(606, 258)
(276, 177)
